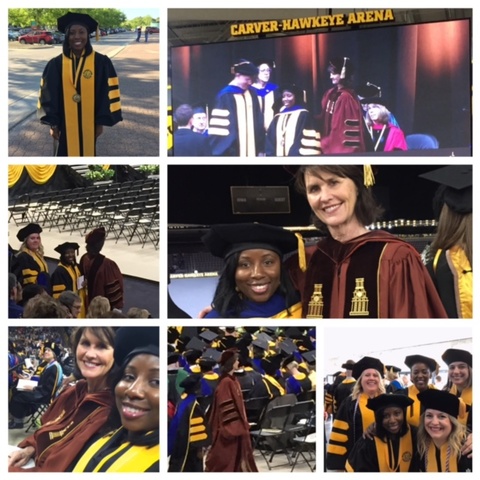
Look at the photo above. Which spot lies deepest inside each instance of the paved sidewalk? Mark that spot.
(137, 67)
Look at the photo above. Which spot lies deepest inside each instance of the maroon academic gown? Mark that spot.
(231, 449)
(375, 275)
(103, 279)
(69, 423)
(341, 123)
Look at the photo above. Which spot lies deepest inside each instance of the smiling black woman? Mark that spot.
(79, 90)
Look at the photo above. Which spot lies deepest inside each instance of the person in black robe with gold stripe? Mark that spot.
(441, 433)
(353, 417)
(133, 444)
(188, 433)
(79, 90)
(392, 448)
(31, 267)
(67, 274)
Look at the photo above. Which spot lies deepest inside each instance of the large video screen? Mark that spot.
(422, 72)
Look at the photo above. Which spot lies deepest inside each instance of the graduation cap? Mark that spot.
(31, 228)
(208, 336)
(393, 368)
(287, 346)
(173, 357)
(97, 235)
(264, 336)
(310, 357)
(73, 18)
(244, 341)
(192, 355)
(227, 355)
(411, 360)
(387, 400)
(348, 365)
(271, 364)
(455, 355)
(131, 341)
(195, 344)
(366, 363)
(443, 401)
(455, 187)
(190, 384)
(212, 355)
(260, 343)
(268, 330)
(61, 249)
(244, 67)
(369, 93)
(294, 333)
(189, 332)
(224, 240)
(342, 66)
(172, 334)
(287, 360)
(53, 346)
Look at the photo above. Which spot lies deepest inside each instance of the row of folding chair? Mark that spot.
(132, 216)
(44, 207)
(286, 426)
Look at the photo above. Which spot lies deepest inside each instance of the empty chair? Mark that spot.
(18, 210)
(421, 141)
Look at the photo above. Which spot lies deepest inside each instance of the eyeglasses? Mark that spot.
(265, 70)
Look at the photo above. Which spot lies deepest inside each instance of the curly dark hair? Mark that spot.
(228, 302)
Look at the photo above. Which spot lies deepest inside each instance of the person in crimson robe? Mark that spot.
(341, 122)
(355, 272)
(231, 449)
(102, 275)
(386, 137)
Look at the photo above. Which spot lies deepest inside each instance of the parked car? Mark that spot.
(153, 29)
(13, 35)
(58, 37)
(38, 36)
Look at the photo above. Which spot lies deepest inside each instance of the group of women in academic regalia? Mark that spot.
(211, 410)
(415, 429)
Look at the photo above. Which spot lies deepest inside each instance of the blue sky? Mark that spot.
(140, 12)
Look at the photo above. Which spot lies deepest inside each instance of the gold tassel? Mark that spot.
(97, 34)
(343, 72)
(368, 177)
(302, 259)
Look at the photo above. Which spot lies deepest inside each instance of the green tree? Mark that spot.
(23, 17)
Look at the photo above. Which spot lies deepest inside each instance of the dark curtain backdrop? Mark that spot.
(424, 71)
